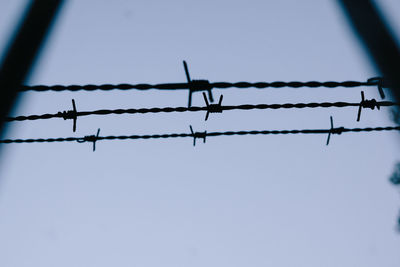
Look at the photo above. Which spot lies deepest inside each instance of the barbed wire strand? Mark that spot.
(338, 130)
(180, 86)
(214, 108)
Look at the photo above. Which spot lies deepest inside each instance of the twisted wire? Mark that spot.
(180, 86)
(195, 109)
(208, 134)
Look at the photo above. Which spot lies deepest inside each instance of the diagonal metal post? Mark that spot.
(23, 50)
(377, 40)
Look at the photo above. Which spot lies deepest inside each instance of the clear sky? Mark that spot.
(234, 201)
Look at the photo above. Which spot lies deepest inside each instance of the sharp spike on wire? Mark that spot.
(73, 105)
(189, 81)
(210, 95)
(89, 138)
(69, 115)
(197, 85)
(193, 134)
(329, 137)
(205, 99)
(75, 117)
(361, 106)
(190, 99)
(207, 114)
(187, 72)
(220, 100)
(380, 89)
(330, 132)
(378, 81)
(333, 130)
(365, 103)
(213, 108)
(196, 135)
(207, 104)
(95, 139)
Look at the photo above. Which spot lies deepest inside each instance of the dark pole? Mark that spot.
(377, 40)
(22, 51)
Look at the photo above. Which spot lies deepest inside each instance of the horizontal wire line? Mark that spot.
(208, 134)
(195, 109)
(180, 86)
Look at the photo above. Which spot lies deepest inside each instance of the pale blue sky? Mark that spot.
(234, 201)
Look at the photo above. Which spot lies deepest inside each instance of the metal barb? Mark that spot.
(367, 104)
(90, 138)
(378, 81)
(333, 130)
(200, 135)
(213, 108)
(197, 85)
(70, 115)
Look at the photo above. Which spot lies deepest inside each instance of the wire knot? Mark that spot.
(200, 135)
(378, 81)
(367, 104)
(200, 85)
(70, 115)
(213, 108)
(333, 130)
(197, 85)
(370, 104)
(90, 138)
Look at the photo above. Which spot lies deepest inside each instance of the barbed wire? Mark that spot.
(210, 108)
(205, 85)
(181, 86)
(203, 135)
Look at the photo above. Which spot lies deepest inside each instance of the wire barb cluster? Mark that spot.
(90, 138)
(197, 85)
(70, 115)
(367, 104)
(200, 135)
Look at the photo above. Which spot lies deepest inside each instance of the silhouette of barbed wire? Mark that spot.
(181, 86)
(338, 130)
(214, 108)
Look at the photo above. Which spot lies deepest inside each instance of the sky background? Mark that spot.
(234, 201)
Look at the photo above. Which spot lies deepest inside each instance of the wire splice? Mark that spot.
(367, 104)
(333, 130)
(200, 135)
(197, 85)
(70, 115)
(213, 108)
(90, 138)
